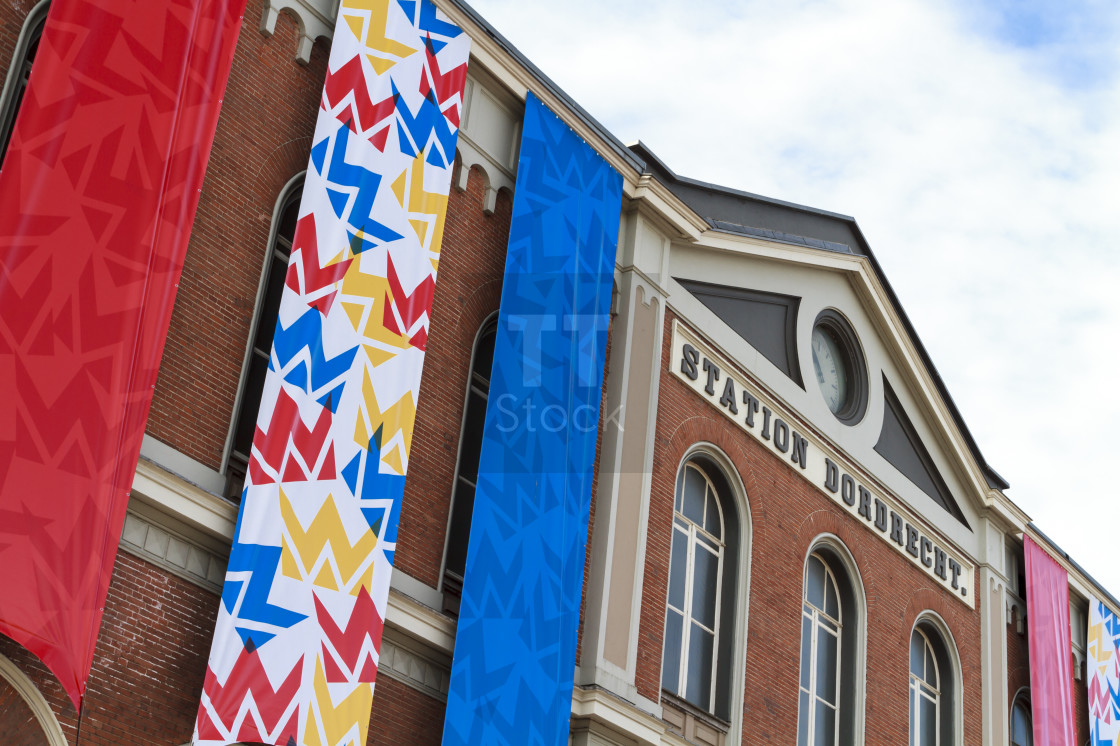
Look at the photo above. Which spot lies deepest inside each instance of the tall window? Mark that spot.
(932, 686)
(822, 623)
(829, 703)
(20, 72)
(470, 450)
(261, 333)
(1022, 729)
(925, 692)
(692, 616)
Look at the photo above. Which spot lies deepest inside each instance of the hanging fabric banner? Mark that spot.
(1103, 672)
(298, 635)
(97, 197)
(1051, 653)
(511, 677)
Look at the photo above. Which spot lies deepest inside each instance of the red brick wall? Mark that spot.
(263, 140)
(787, 513)
(18, 726)
(403, 715)
(468, 289)
(148, 665)
(1019, 676)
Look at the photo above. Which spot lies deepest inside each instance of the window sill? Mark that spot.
(689, 721)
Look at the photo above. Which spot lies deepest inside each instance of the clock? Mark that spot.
(832, 372)
(838, 367)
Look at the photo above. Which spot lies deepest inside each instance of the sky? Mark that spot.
(977, 144)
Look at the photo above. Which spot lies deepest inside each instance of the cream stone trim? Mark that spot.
(888, 322)
(421, 622)
(173, 552)
(488, 53)
(993, 656)
(35, 701)
(183, 501)
(599, 706)
(821, 448)
(668, 209)
(315, 18)
(413, 665)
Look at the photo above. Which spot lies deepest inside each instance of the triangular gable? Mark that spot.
(900, 445)
(767, 321)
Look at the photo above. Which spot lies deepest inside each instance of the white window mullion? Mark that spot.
(715, 625)
(686, 612)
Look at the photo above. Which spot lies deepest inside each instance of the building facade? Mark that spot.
(794, 537)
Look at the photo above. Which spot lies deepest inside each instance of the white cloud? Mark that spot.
(986, 185)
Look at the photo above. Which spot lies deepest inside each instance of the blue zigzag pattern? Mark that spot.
(261, 563)
(346, 180)
(511, 679)
(307, 332)
(428, 22)
(420, 128)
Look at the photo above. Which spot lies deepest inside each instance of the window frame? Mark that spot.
(820, 620)
(852, 663)
(697, 538)
(294, 186)
(920, 688)
(33, 26)
(951, 684)
(736, 594)
(1022, 699)
(443, 586)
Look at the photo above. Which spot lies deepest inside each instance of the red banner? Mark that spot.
(1051, 652)
(97, 196)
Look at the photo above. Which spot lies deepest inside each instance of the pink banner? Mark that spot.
(97, 196)
(1050, 649)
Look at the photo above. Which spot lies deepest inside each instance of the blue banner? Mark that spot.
(515, 649)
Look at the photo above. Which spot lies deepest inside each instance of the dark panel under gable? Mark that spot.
(768, 321)
(900, 445)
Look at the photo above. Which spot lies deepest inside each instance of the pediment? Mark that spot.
(741, 291)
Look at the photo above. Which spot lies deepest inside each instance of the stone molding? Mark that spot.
(315, 19)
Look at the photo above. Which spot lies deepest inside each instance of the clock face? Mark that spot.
(831, 369)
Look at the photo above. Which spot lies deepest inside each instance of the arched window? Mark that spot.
(260, 334)
(1022, 729)
(466, 473)
(932, 687)
(831, 620)
(925, 692)
(19, 72)
(695, 568)
(697, 656)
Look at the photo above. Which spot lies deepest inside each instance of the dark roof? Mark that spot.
(1107, 597)
(613, 142)
(743, 213)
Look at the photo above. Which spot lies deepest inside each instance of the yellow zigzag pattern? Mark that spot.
(344, 724)
(1098, 651)
(364, 302)
(367, 20)
(426, 210)
(325, 551)
(400, 417)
